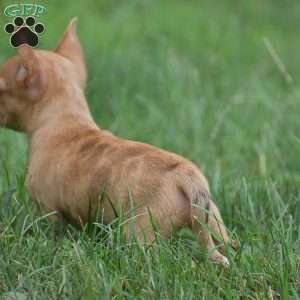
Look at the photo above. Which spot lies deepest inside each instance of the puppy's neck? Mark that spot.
(58, 114)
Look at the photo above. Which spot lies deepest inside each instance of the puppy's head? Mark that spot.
(33, 78)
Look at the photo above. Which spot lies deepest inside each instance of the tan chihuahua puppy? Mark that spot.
(72, 162)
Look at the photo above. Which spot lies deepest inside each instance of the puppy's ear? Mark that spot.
(30, 77)
(70, 48)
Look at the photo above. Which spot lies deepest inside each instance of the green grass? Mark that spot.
(197, 78)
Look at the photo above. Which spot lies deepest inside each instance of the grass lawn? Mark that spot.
(215, 81)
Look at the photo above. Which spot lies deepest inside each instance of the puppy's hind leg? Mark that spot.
(217, 225)
(201, 226)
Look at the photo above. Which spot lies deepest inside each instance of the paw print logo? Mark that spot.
(24, 31)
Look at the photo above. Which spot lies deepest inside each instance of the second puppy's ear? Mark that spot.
(30, 76)
(70, 48)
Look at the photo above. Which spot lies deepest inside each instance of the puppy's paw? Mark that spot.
(221, 260)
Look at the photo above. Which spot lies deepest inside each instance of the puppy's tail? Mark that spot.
(205, 211)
